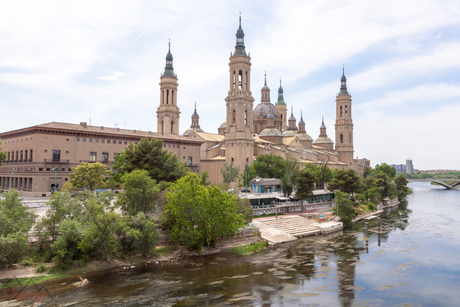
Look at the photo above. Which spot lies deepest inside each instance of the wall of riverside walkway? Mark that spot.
(295, 207)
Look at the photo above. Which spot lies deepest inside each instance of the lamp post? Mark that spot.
(55, 170)
(11, 179)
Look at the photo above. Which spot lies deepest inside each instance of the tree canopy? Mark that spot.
(267, 166)
(198, 215)
(2, 153)
(291, 175)
(344, 208)
(306, 183)
(89, 175)
(401, 187)
(229, 172)
(388, 170)
(346, 181)
(149, 155)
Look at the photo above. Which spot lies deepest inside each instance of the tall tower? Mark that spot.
(282, 108)
(239, 142)
(265, 92)
(292, 121)
(168, 113)
(344, 124)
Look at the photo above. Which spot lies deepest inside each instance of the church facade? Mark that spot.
(40, 157)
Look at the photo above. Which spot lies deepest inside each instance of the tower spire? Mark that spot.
(343, 83)
(239, 48)
(265, 83)
(169, 69)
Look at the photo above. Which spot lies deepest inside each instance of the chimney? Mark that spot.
(83, 124)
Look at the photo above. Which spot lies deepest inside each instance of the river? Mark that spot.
(415, 262)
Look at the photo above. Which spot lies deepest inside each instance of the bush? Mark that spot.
(371, 207)
(41, 268)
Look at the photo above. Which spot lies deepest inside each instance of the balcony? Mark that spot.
(61, 161)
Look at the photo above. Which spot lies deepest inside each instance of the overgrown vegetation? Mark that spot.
(247, 249)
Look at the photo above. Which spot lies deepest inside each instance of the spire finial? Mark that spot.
(343, 69)
(240, 19)
(265, 83)
(195, 106)
(292, 111)
(280, 81)
(301, 116)
(169, 45)
(322, 121)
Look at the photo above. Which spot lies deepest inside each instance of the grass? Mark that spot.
(247, 249)
(164, 250)
(266, 215)
(24, 280)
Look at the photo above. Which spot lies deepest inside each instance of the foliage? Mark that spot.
(197, 215)
(204, 178)
(345, 208)
(247, 249)
(149, 155)
(229, 172)
(89, 175)
(2, 153)
(137, 233)
(388, 170)
(306, 183)
(15, 223)
(401, 187)
(265, 166)
(289, 180)
(244, 207)
(66, 246)
(328, 175)
(68, 187)
(371, 207)
(346, 181)
(140, 192)
(99, 233)
(40, 268)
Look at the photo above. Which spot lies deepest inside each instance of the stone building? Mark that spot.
(40, 157)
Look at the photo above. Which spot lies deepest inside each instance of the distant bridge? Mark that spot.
(441, 182)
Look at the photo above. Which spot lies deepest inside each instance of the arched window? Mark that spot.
(246, 80)
(245, 117)
(162, 127)
(172, 97)
(346, 111)
(340, 111)
(234, 80)
(240, 79)
(255, 130)
(341, 138)
(234, 117)
(167, 96)
(172, 126)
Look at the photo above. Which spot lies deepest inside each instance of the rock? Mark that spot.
(132, 267)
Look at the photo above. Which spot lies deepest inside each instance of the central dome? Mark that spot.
(264, 108)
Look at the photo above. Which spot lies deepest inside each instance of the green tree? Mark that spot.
(196, 215)
(101, 222)
(137, 233)
(204, 178)
(344, 208)
(149, 155)
(346, 181)
(229, 172)
(89, 175)
(289, 180)
(140, 192)
(65, 248)
(305, 184)
(16, 223)
(265, 166)
(390, 171)
(244, 207)
(2, 153)
(401, 187)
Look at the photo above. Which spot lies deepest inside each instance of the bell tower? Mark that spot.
(168, 113)
(344, 124)
(282, 108)
(239, 142)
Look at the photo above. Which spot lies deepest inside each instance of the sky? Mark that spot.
(72, 61)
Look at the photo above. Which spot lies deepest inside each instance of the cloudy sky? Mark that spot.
(62, 60)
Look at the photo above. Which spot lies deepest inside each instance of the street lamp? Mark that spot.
(55, 170)
(11, 179)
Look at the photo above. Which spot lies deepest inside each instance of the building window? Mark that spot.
(245, 117)
(31, 156)
(169, 145)
(232, 159)
(108, 141)
(92, 156)
(105, 157)
(102, 141)
(172, 126)
(247, 159)
(56, 155)
(189, 161)
(174, 146)
(346, 111)
(119, 142)
(40, 169)
(115, 155)
(83, 139)
(90, 140)
(96, 140)
(256, 128)
(341, 138)
(77, 139)
(126, 143)
(114, 142)
(234, 117)
(340, 111)
(164, 145)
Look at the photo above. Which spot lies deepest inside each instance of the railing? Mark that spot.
(56, 161)
(16, 161)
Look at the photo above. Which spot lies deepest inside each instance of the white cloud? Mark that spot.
(111, 77)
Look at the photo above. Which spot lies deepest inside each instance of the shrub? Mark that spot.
(41, 268)
(371, 207)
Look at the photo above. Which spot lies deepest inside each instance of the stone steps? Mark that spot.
(295, 226)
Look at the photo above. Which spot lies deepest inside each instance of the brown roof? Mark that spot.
(83, 128)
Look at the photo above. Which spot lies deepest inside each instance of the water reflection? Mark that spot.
(413, 259)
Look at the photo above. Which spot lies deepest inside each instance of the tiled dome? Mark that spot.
(323, 141)
(270, 131)
(191, 130)
(288, 133)
(264, 108)
(223, 125)
(304, 137)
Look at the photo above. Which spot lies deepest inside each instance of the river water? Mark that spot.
(414, 261)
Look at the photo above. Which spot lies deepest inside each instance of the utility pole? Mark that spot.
(11, 179)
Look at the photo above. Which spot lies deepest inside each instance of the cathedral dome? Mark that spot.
(223, 125)
(263, 109)
(322, 140)
(288, 133)
(191, 130)
(304, 137)
(270, 132)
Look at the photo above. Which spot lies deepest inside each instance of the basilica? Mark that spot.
(40, 158)
(265, 128)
